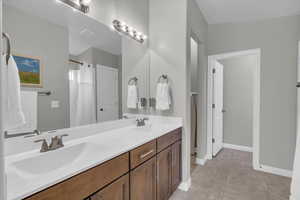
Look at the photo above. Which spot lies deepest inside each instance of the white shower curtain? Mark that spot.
(82, 96)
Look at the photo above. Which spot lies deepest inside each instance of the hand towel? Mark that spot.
(13, 116)
(163, 98)
(29, 107)
(132, 96)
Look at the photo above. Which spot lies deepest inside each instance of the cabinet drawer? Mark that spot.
(118, 190)
(86, 183)
(142, 154)
(168, 139)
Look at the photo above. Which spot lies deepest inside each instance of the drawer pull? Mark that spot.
(146, 154)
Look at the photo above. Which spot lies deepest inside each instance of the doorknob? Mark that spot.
(101, 109)
(223, 111)
(298, 85)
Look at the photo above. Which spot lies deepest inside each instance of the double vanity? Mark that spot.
(88, 96)
(118, 163)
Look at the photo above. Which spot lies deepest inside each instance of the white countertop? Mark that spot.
(103, 147)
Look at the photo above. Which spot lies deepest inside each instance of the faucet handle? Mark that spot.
(63, 135)
(45, 146)
(60, 139)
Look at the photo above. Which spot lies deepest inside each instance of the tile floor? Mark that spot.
(230, 176)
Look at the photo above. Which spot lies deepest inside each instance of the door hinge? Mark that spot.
(213, 140)
(213, 105)
(214, 71)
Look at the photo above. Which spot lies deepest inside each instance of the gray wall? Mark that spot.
(238, 99)
(98, 56)
(278, 40)
(2, 160)
(194, 66)
(135, 58)
(167, 36)
(32, 36)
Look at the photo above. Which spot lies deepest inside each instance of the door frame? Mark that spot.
(296, 172)
(256, 102)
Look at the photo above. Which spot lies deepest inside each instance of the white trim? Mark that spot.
(295, 193)
(185, 186)
(201, 161)
(292, 198)
(256, 102)
(276, 171)
(238, 147)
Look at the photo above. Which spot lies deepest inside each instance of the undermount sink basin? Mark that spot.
(54, 160)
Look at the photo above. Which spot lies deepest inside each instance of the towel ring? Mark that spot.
(163, 77)
(133, 80)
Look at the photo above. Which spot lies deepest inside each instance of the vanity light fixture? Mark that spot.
(129, 31)
(80, 5)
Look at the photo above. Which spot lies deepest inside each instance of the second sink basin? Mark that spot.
(54, 160)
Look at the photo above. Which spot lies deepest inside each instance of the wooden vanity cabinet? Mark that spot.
(149, 172)
(176, 165)
(164, 174)
(119, 190)
(168, 171)
(143, 181)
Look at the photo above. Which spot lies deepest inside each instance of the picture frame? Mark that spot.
(30, 70)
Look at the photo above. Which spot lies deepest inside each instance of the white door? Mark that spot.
(217, 108)
(107, 94)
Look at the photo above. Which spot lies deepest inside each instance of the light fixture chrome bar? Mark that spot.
(129, 31)
(80, 6)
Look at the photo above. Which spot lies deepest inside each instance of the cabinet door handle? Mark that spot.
(146, 154)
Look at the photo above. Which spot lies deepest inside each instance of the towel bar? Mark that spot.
(6, 36)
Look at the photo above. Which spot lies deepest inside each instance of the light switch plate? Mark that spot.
(55, 104)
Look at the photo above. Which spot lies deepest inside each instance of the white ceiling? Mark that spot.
(84, 31)
(230, 11)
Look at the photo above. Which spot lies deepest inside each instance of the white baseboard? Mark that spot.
(292, 198)
(276, 171)
(202, 161)
(237, 147)
(185, 186)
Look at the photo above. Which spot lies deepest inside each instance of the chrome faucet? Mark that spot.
(141, 122)
(56, 143)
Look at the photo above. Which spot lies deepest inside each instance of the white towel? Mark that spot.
(132, 96)
(29, 106)
(163, 98)
(13, 116)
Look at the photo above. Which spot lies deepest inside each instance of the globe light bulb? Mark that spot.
(85, 2)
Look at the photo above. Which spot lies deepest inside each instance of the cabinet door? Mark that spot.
(118, 190)
(164, 173)
(176, 165)
(143, 181)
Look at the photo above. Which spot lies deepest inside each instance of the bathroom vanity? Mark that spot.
(151, 171)
(124, 163)
(83, 138)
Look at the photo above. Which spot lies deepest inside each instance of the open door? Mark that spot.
(217, 108)
(107, 94)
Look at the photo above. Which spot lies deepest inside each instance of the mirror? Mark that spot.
(70, 66)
